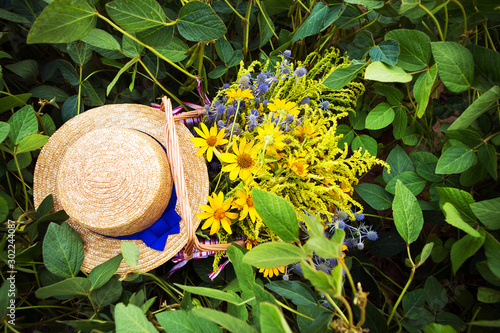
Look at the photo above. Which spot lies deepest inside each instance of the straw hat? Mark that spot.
(108, 169)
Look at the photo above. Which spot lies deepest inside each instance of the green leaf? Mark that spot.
(423, 89)
(266, 27)
(488, 295)
(130, 253)
(27, 69)
(492, 251)
(324, 247)
(4, 209)
(428, 172)
(224, 49)
(386, 51)
(217, 72)
(368, 4)
(198, 22)
(131, 48)
(273, 254)
(62, 250)
(426, 252)
(299, 293)
(486, 155)
(136, 15)
(326, 283)
(380, 117)
(107, 294)
(32, 142)
(68, 71)
(66, 289)
(120, 72)
(314, 22)
(455, 159)
(341, 76)
(375, 196)
(225, 320)
(185, 322)
(393, 95)
(408, 215)
(465, 248)
(415, 48)
(487, 211)
(272, 319)
(361, 45)
(102, 273)
(399, 163)
(4, 130)
(89, 325)
(10, 102)
(102, 39)
(244, 271)
(213, 293)
(477, 108)
(454, 218)
(70, 108)
(399, 124)
(437, 328)
(378, 71)
(63, 21)
(79, 52)
(13, 17)
(157, 36)
(410, 179)
(131, 319)
(277, 214)
(365, 142)
(487, 65)
(460, 199)
(50, 127)
(454, 64)
(435, 294)
(450, 319)
(49, 93)
(486, 323)
(412, 303)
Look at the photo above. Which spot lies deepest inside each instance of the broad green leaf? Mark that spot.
(13, 17)
(423, 89)
(198, 22)
(380, 117)
(488, 295)
(136, 15)
(469, 137)
(277, 214)
(365, 142)
(224, 49)
(4, 130)
(323, 247)
(131, 319)
(378, 71)
(108, 293)
(412, 302)
(455, 159)
(326, 283)
(487, 156)
(427, 171)
(185, 322)
(244, 272)
(225, 320)
(487, 274)
(399, 162)
(408, 215)
(23, 160)
(460, 199)
(435, 294)
(426, 252)
(49, 93)
(70, 108)
(492, 251)
(79, 52)
(422, 157)
(368, 4)
(299, 293)
(341, 76)
(130, 253)
(68, 71)
(454, 64)
(410, 179)
(272, 319)
(4, 209)
(386, 51)
(487, 211)
(120, 72)
(131, 48)
(102, 273)
(454, 218)
(10, 102)
(415, 48)
(477, 108)
(66, 289)
(266, 27)
(361, 45)
(27, 69)
(375, 196)
(273, 254)
(400, 122)
(93, 97)
(63, 21)
(314, 23)
(213, 293)
(438, 328)
(465, 248)
(102, 39)
(487, 65)
(157, 36)
(32, 142)
(393, 95)
(62, 251)
(88, 325)
(217, 72)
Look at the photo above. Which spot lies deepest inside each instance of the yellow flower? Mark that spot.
(217, 213)
(299, 167)
(242, 162)
(301, 131)
(238, 95)
(209, 140)
(268, 133)
(250, 243)
(283, 107)
(342, 254)
(244, 202)
(272, 271)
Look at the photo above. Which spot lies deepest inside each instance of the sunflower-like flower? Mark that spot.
(342, 254)
(282, 107)
(302, 131)
(244, 202)
(298, 166)
(238, 95)
(250, 243)
(271, 136)
(242, 163)
(217, 213)
(272, 271)
(209, 140)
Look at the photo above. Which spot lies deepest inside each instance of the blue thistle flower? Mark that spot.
(300, 72)
(261, 78)
(342, 215)
(286, 70)
(226, 86)
(361, 246)
(372, 235)
(325, 105)
(359, 216)
(305, 101)
(287, 53)
(254, 112)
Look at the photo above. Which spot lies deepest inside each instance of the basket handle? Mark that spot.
(177, 171)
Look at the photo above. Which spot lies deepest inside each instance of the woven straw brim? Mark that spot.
(98, 248)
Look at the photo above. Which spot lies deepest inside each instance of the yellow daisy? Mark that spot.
(283, 107)
(217, 213)
(242, 162)
(342, 254)
(244, 202)
(301, 131)
(272, 135)
(250, 243)
(272, 271)
(299, 167)
(238, 95)
(209, 140)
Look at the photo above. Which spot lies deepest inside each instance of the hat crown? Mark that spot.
(115, 181)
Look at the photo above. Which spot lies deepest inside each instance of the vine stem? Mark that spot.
(159, 84)
(24, 184)
(434, 19)
(158, 54)
(246, 28)
(463, 13)
(339, 311)
(294, 311)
